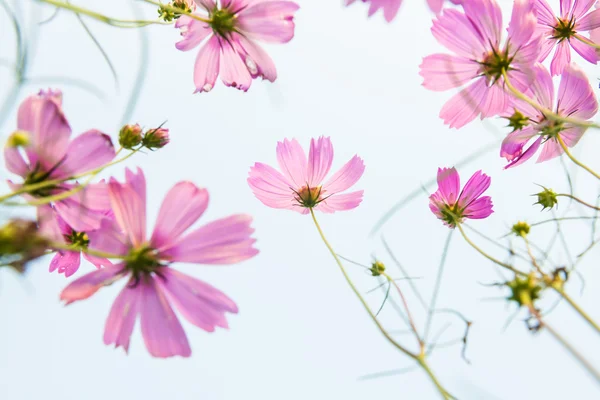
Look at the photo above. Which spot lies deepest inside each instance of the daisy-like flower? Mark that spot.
(390, 7)
(452, 206)
(152, 285)
(562, 31)
(51, 155)
(576, 99)
(300, 187)
(55, 228)
(230, 49)
(480, 59)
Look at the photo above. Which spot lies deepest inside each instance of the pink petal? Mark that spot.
(341, 202)
(199, 303)
(78, 215)
(522, 24)
(448, 185)
(547, 45)
(86, 152)
(182, 206)
(589, 22)
(257, 60)
(206, 68)
(480, 208)
(455, 31)
(575, 94)
(98, 262)
(269, 21)
(42, 116)
(441, 72)
(581, 7)
(14, 161)
(192, 31)
(561, 58)
(162, 332)
(526, 155)
(66, 262)
(584, 50)
(551, 149)
(435, 5)
(109, 239)
(464, 106)
(270, 187)
(345, 178)
(474, 188)
(48, 224)
(565, 7)
(512, 145)
(320, 157)
(208, 5)
(233, 70)
(90, 283)
(121, 319)
(544, 13)
(486, 16)
(93, 196)
(292, 161)
(224, 241)
(130, 211)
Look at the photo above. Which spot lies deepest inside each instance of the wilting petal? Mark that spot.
(480, 208)
(14, 161)
(341, 202)
(346, 177)
(87, 285)
(192, 31)
(561, 58)
(182, 206)
(206, 68)
(224, 241)
(443, 71)
(109, 239)
(270, 187)
(129, 211)
(232, 70)
(98, 262)
(575, 94)
(121, 319)
(269, 21)
(474, 188)
(320, 157)
(66, 262)
(292, 161)
(448, 185)
(200, 303)
(162, 332)
(86, 152)
(257, 60)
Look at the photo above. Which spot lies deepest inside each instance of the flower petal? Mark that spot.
(86, 152)
(480, 208)
(121, 319)
(341, 202)
(98, 262)
(345, 178)
(575, 94)
(90, 283)
(182, 206)
(270, 186)
(192, 31)
(561, 58)
(66, 262)
(448, 185)
(474, 188)
(129, 209)
(108, 238)
(233, 70)
(257, 60)
(456, 31)
(320, 157)
(206, 68)
(464, 106)
(292, 161)
(584, 50)
(14, 161)
(523, 156)
(224, 241)
(269, 21)
(441, 72)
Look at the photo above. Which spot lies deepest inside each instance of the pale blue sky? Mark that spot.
(300, 333)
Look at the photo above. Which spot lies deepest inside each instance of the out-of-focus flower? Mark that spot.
(301, 186)
(51, 155)
(521, 228)
(130, 136)
(56, 229)
(175, 9)
(561, 31)
(20, 242)
(390, 7)
(576, 99)
(452, 205)
(152, 285)
(480, 60)
(156, 138)
(230, 49)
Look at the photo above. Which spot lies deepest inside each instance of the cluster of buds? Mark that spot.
(20, 242)
(132, 136)
(175, 9)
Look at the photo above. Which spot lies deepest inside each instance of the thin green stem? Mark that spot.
(577, 308)
(67, 247)
(443, 392)
(120, 23)
(587, 41)
(178, 10)
(411, 320)
(531, 256)
(579, 201)
(576, 161)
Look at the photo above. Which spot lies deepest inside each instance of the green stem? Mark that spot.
(443, 392)
(67, 247)
(577, 308)
(587, 41)
(576, 161)
(120, 23)
(579, 201)
(178, 11)
(411, 320)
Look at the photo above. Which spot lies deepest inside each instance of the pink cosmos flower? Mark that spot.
(562, 31)
(390, 7)
(56, 229)
(152, 285)
(301, 186)
(576, 99)
(480, 59)
(230, 50)
(452, 206)
(51, 155)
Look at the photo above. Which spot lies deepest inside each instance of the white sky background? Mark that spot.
(301, 333)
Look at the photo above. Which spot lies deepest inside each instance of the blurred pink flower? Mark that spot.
(50, 155)
(301, 186)
(452, 206)
(390, 7)
(475, 36)
(561, 31)
(576, 99)
(56, 229)
(230, 49)
(152, 284)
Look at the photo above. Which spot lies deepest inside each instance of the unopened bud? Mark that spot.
(521, 228)
(524, 290)
(18, 139)
(156, 138)
(518, 121)
(547, 198)
(130, 136)
(377, 268)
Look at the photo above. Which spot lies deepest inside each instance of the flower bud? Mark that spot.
(168, 14)
(130, 136)
(524, 290)
(20, 243)
(156, 138)
(377, 268)
(521, 228)
(18, 139)
(547, 198)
